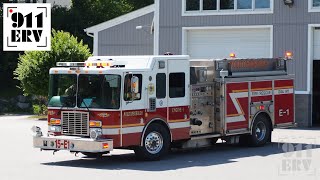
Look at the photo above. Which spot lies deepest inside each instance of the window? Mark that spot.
(227, 6)
(129, 94)
(161, 85)
(314, 6)
(176, 85)
(99, 91)
(244, 4)
(193, 5)
(62, 90)
(210, 4)
(262, 4)
(316, 3)
(85, 91)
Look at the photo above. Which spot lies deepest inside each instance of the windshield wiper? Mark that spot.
(84, 105)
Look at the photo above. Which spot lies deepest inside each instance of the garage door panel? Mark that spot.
(246, 43)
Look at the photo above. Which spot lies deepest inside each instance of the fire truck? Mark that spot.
(151, 104)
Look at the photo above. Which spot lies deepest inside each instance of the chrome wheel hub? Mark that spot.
(153, 142)
(261, 130)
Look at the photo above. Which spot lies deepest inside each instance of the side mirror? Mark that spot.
(135, 84)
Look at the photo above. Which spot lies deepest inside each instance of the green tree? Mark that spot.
(33, 66)
(137, 4)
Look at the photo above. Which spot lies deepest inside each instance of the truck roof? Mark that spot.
(113, 64)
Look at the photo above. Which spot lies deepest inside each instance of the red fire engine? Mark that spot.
(152, 103)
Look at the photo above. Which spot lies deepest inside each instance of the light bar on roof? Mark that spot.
(101, 64)
(70, 64)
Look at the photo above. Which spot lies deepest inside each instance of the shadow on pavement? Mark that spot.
(216, 155)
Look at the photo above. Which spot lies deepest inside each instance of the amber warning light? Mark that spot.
(232, 55)
(288, 55)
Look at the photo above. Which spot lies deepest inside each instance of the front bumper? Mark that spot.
(73, 144)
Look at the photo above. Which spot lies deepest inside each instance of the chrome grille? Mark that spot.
(75, 123)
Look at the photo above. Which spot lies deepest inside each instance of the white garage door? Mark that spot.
(316, 44)
(219, 43)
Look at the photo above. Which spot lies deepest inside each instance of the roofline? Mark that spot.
(121, 19)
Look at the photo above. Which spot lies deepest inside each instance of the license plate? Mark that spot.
(62, 144)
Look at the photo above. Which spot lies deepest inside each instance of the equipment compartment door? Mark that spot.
(284, 101)
(237, 106)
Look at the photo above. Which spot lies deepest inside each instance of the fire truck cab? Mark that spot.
(152, 103)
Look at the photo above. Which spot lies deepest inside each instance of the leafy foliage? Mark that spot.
(137, 4)
(40, 110)
(33, 66)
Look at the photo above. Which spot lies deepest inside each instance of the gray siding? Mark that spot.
(303, 110)
(124, 39)
(290, 30)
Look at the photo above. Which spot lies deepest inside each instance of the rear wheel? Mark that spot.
(156, 143)
(261, 132)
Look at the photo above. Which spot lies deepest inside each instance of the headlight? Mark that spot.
(54, 128)
(95, 133)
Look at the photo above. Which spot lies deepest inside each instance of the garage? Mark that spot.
(219, 43)
(316, 77)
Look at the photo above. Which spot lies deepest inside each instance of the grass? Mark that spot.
(38, 117)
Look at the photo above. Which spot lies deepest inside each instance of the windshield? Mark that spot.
(99, 91)
(92, 91)
(62, 90)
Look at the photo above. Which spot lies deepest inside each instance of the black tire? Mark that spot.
(261, 132)
(214, 141)
(93, 155)
(155, 135)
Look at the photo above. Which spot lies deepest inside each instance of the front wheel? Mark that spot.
(156, 143)
(261, 132)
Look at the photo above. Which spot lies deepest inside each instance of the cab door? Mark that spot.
(133, 108)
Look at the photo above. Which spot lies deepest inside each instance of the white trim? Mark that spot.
(179, 125)
(283, 91)
(301, 92)
(126, 130)
(310, 56)
(95, 43)
(140, 129)
(225, 12)
(311, 8)
(184, 41)
(156, 27)
(121, 19)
